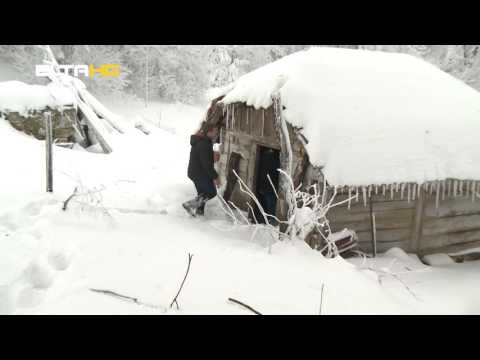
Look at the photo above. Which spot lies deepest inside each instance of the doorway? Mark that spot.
(267, 163)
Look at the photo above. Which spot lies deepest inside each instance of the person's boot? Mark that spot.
(201, 210)
(191, 206)
(201, 206)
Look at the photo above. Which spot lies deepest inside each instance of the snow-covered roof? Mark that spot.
(16, 96)
(372, 117)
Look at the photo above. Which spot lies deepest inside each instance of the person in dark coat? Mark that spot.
(201, 169)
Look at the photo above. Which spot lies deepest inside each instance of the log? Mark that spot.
(94, 122)
(100, 109)
(142, 129)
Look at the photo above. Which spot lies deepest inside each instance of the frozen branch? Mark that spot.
(190, 256)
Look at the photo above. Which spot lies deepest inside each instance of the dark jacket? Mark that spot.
(201, 161)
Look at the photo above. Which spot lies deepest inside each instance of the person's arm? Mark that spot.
(206, 159)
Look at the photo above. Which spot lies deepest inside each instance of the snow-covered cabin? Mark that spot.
(390, 129)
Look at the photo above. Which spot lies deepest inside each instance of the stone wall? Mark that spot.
(33, 123)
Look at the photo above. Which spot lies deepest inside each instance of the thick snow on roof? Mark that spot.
(16, 96)
(373, 117)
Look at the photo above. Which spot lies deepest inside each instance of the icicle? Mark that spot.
(376, 189)
(460, 187)
(384, 189)
(414, 191)
(473, 190)
(396, 187)
(233, 116)
(455, 185)
(437, 198)
(408, 192)
(369, 191)
(427, 187)
(228, 113)
(449, 193)
(467, 188)
(349, 196)
(432, 187)
(357, 196)
(364, 191)
(419, 188)
(391, 192)
(402, 188)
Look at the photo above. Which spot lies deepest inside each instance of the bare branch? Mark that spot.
(273, 187)
(245, 306)
(190, 256)
(127, 298)
(65, 204)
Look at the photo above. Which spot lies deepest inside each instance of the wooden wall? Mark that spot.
(427, 224)
(244, 128)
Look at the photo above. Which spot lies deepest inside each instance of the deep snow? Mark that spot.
(138, 245)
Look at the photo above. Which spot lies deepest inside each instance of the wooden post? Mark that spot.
(48, 147)
(373, 228)
(418, 221)
(283, 203)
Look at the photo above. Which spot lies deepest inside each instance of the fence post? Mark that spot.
(48, 148)
(373, 228)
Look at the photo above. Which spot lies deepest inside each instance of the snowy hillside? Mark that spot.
(8, 72)
(130, 235)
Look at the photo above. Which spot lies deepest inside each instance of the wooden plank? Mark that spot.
(452, 207)
(382, 216)
(451, 249)
(400, 223)
(377, 205)
(459, 239)
(256, 123)
(435, 226)
(233, 164)
(269, 129)
(385, 235)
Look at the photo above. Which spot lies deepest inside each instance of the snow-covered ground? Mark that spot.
(133, 237)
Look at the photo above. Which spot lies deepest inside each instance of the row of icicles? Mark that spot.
(411, 191)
